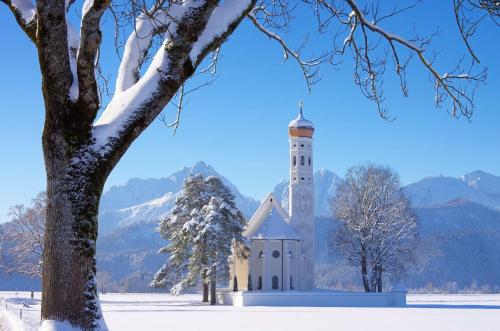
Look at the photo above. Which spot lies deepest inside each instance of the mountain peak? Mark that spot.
(477, 186)
(201, 167)
(477, 175)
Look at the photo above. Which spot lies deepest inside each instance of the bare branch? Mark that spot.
(309, 68)
(466, 25)
(22, 238)
(447, 86)
(377, 227)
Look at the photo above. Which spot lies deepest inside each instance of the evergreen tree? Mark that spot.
(221, 223)
(201, 229)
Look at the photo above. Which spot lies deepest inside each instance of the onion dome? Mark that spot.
(300, 127)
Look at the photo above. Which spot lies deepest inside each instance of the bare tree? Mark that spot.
(378, 230)
(22, 238)
(168, 43)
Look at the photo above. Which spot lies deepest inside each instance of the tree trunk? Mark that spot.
(213, 299)
(364, 274)
(205, 292)
(73, 192)
(373, 279)
(205, 286)
(379, 279)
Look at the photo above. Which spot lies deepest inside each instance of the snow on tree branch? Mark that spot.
(378, 230)
(223, 16)
(26, 8)
(73, 43)
(144, 97)
(25, 13)
(140, 41)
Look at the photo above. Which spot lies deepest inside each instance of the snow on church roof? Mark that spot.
(270, 222)
(275, 227)
(300, 122)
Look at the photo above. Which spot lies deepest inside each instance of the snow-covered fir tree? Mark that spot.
(202, 228)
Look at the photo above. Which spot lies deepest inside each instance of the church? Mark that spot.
(281, 241)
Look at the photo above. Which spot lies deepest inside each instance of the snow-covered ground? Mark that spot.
(150, 312)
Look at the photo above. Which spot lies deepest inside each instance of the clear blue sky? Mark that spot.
(239, 124)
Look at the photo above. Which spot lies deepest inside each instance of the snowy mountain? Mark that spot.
(460, 246)
(147, 200)
(460, 230)
(477, 186)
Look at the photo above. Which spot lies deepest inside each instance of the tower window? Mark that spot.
(259, 284)
(302, 160)
(309, 161)
(294, 160)
(276, 254)
(301, 145)
(261, 255)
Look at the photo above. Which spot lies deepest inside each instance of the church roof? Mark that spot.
(275, 227)
(270, 222)
(300, 122)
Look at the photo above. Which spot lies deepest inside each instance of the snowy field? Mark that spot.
(150, 312)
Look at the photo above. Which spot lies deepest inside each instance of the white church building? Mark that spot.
(281, 241)
(279, 269)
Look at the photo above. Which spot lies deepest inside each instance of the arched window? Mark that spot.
(302, 160)
(291, 283)
(261, 255)
(259, 286)
(275, 282)
(294, 160)
(249, 283)
(309, 161)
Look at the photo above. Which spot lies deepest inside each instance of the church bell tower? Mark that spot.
(301, 193)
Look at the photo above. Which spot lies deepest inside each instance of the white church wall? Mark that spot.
(274, 259)
(314, 299)
(257, 268)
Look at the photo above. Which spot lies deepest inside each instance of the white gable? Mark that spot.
(270, 221)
